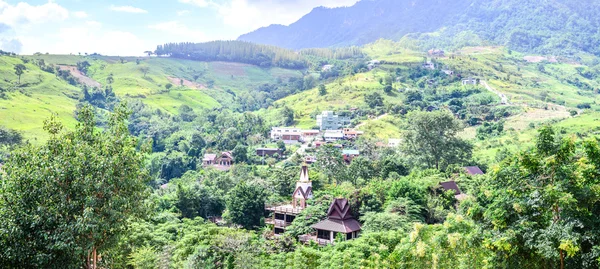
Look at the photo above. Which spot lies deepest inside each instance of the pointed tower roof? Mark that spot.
(304, 174)
(339, 209)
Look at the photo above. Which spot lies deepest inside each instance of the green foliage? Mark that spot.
(71, 196)
(374, 100)
(234, 51)
(246, 205)
(431, 140)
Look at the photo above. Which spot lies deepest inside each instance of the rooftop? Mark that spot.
(350, 152)
(451, 185)
(473, 170)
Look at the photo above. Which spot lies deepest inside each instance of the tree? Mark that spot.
(145, 70)
(83, 66)
(322, 90)
(388, 89)
(19, 70)
(240, 153)
(331, 162)
(149, 53)
(541, 201)
(168, 86)
(197, 200)
(246, 205)
(431, 139)
(70, 198)
(374, 100)
(287, 115)
(110, 79)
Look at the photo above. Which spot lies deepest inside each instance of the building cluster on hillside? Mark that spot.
(339, 220)
(332, 130)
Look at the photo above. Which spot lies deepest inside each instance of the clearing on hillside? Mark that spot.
(186, 83)
(83, 79)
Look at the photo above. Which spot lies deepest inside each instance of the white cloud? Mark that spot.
(87, 39)
(183, 12)
(80, 14)
(252, 14)
(93, 23)
(200, 3)
(128, 9)
(24, 13)
(181, 30)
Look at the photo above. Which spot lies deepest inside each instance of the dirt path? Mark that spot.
(504, 99)
(192, 85)
(375, 119)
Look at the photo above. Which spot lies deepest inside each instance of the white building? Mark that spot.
(394, 143)
(330, 121)
(333, 135)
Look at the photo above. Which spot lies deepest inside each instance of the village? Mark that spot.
(339, 221)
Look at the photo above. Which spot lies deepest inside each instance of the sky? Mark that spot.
(130, 27)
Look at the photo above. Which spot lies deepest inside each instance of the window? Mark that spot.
(279, 216)
(279, 231)
(348, 236)
(321, 234)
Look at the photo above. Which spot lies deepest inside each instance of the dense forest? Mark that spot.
(234, 51)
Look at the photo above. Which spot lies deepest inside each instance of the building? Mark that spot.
(287, 135)
(222, 161)
(452, 186)
(436, 52)
(284, 215)
(327, 120)
(470, 81)
(429, 65)
(268, 152)
(473, 170)
(372, 64)
(308, 135)
(339, 221)
(333, 135)
(310, 159)
(394, 143)
(350, 154)
(327, 67)
(448, 72)
(351, 133)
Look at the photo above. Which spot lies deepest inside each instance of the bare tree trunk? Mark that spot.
(562, 259)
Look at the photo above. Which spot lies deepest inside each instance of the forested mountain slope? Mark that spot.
(555, 26)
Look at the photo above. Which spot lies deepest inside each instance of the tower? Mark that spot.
(303, 190)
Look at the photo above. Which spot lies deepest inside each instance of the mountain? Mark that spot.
(552, 26)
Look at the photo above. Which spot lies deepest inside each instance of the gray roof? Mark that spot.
(209, 157)
(474, 170)
(340, 226)
(451, 186)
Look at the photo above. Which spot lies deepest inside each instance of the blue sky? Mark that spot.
(130, 27)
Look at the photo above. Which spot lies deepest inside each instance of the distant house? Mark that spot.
(469, 81)
(221, 161)
(350, 154)
(436, 52)
(209, 159)
(328, 120)
(452, 186)
(429, 65)
(372, 64)
(268, 152)
(310, 159)
(394, 143)
(351, 133)
(339, 221)
(287, 135)
(473, 170)
(448, 72)
(309, 134)
(327, 67)
(332, 136)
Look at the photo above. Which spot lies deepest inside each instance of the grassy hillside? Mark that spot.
(41, 94)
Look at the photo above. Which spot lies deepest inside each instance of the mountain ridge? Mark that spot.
(549, 27)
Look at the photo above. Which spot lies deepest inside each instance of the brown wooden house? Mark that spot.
(339, 221)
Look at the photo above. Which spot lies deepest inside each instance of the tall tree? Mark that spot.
(246, 205)
(431, 139)
(69, 199)
(19, 70)
(543, 203)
